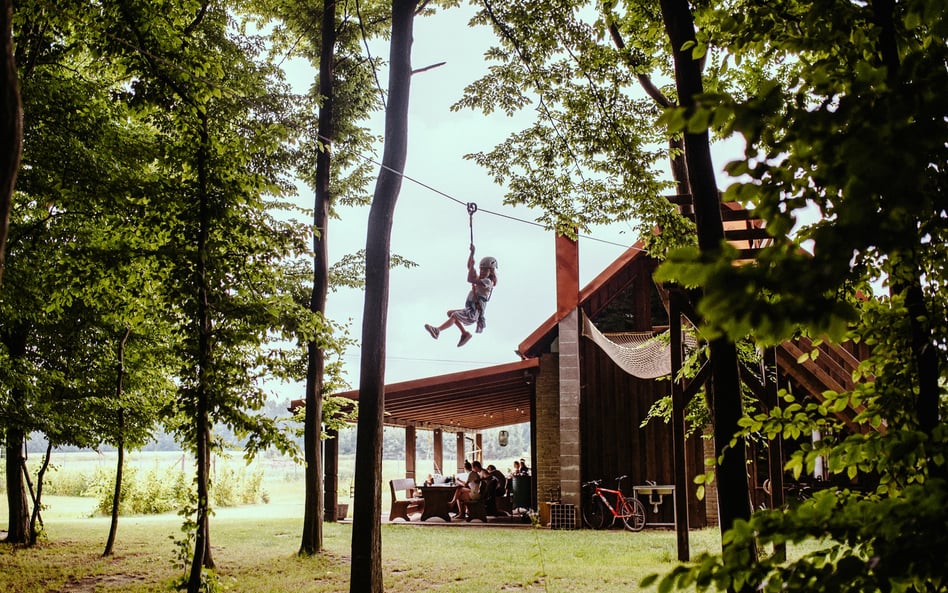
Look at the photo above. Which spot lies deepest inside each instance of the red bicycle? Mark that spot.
(599, 512)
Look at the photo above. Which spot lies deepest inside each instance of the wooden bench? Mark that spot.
(401, 507)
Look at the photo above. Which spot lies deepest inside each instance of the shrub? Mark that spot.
(59, 482)
(164, 490)
(157, 491)
(231, 488)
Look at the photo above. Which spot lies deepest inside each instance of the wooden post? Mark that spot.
(461, 452)
(678, 428)
(331, 476)
(438, 445)
(410, 452)
(775, 446)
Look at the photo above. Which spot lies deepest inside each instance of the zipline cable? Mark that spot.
(499, 214)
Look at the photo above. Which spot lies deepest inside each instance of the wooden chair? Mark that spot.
(401, 507)
(502, 506)
(476, 510)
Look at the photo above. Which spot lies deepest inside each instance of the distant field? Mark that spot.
(282, 478)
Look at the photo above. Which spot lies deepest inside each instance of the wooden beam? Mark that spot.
(747, 234)
(751, 380)
(678, 430)
(775, 446)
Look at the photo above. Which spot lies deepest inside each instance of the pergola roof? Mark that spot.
(466, 401)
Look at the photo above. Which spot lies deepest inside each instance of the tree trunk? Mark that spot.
(202, 546)
(312, 541)
(924, 349)
(733, 495)
(18, 528)
(120, 445)
(11, 124)
(331, 471)
(366, 576)
(37, 518)
(117, 491)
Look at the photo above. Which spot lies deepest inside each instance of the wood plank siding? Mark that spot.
(614, 404)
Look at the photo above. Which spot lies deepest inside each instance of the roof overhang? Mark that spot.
(467, 401)
(611, 281)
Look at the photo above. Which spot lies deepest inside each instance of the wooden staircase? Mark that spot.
(742, 229)
(831, 370)
(834, 367)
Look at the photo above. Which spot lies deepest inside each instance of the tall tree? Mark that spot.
(726, 404)
(78, 226)
(856, 129)
(312, 539)
(330, 37)
(224, 117)
(11, 123)
(366, 574)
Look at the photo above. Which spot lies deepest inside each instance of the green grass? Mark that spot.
(255, 547)
(258, 555)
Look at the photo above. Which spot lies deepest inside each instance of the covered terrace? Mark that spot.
(460, 404)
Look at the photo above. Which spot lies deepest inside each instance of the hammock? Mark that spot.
(641, 354)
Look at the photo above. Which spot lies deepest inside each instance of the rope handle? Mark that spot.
(471, 209)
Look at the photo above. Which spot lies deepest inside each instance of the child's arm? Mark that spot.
(471, 271)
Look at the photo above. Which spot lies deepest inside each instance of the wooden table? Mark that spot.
(436, 501)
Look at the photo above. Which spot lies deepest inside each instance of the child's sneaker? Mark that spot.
(435, 332)
(465, 338)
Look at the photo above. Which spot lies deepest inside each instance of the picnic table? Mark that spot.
(437, 498)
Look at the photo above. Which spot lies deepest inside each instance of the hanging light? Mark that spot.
(502, 437)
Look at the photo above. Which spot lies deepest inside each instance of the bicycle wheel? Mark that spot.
(595, 514)
(633, 514)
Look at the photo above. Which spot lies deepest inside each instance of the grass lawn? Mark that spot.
(255, 546)
(255, 551)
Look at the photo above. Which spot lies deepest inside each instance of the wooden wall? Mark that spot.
(613, 406)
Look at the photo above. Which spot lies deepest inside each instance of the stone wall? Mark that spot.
(547, 410)
(570, 437)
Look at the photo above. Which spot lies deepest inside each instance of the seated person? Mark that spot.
(493, 488)
(500, 480)
(469, 488)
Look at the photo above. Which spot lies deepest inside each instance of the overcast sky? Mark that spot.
(432, 230)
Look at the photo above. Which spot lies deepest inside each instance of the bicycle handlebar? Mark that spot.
(599, 481)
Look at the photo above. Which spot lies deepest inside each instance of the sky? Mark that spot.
(433, 230)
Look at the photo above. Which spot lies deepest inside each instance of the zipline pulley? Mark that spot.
(471, 209)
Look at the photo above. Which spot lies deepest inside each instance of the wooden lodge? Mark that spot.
(587, 413)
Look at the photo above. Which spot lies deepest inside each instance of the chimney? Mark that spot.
(567, 275)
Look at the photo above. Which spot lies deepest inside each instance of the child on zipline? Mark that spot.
(482, 284)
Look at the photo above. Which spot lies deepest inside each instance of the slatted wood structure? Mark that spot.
(468, 401)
